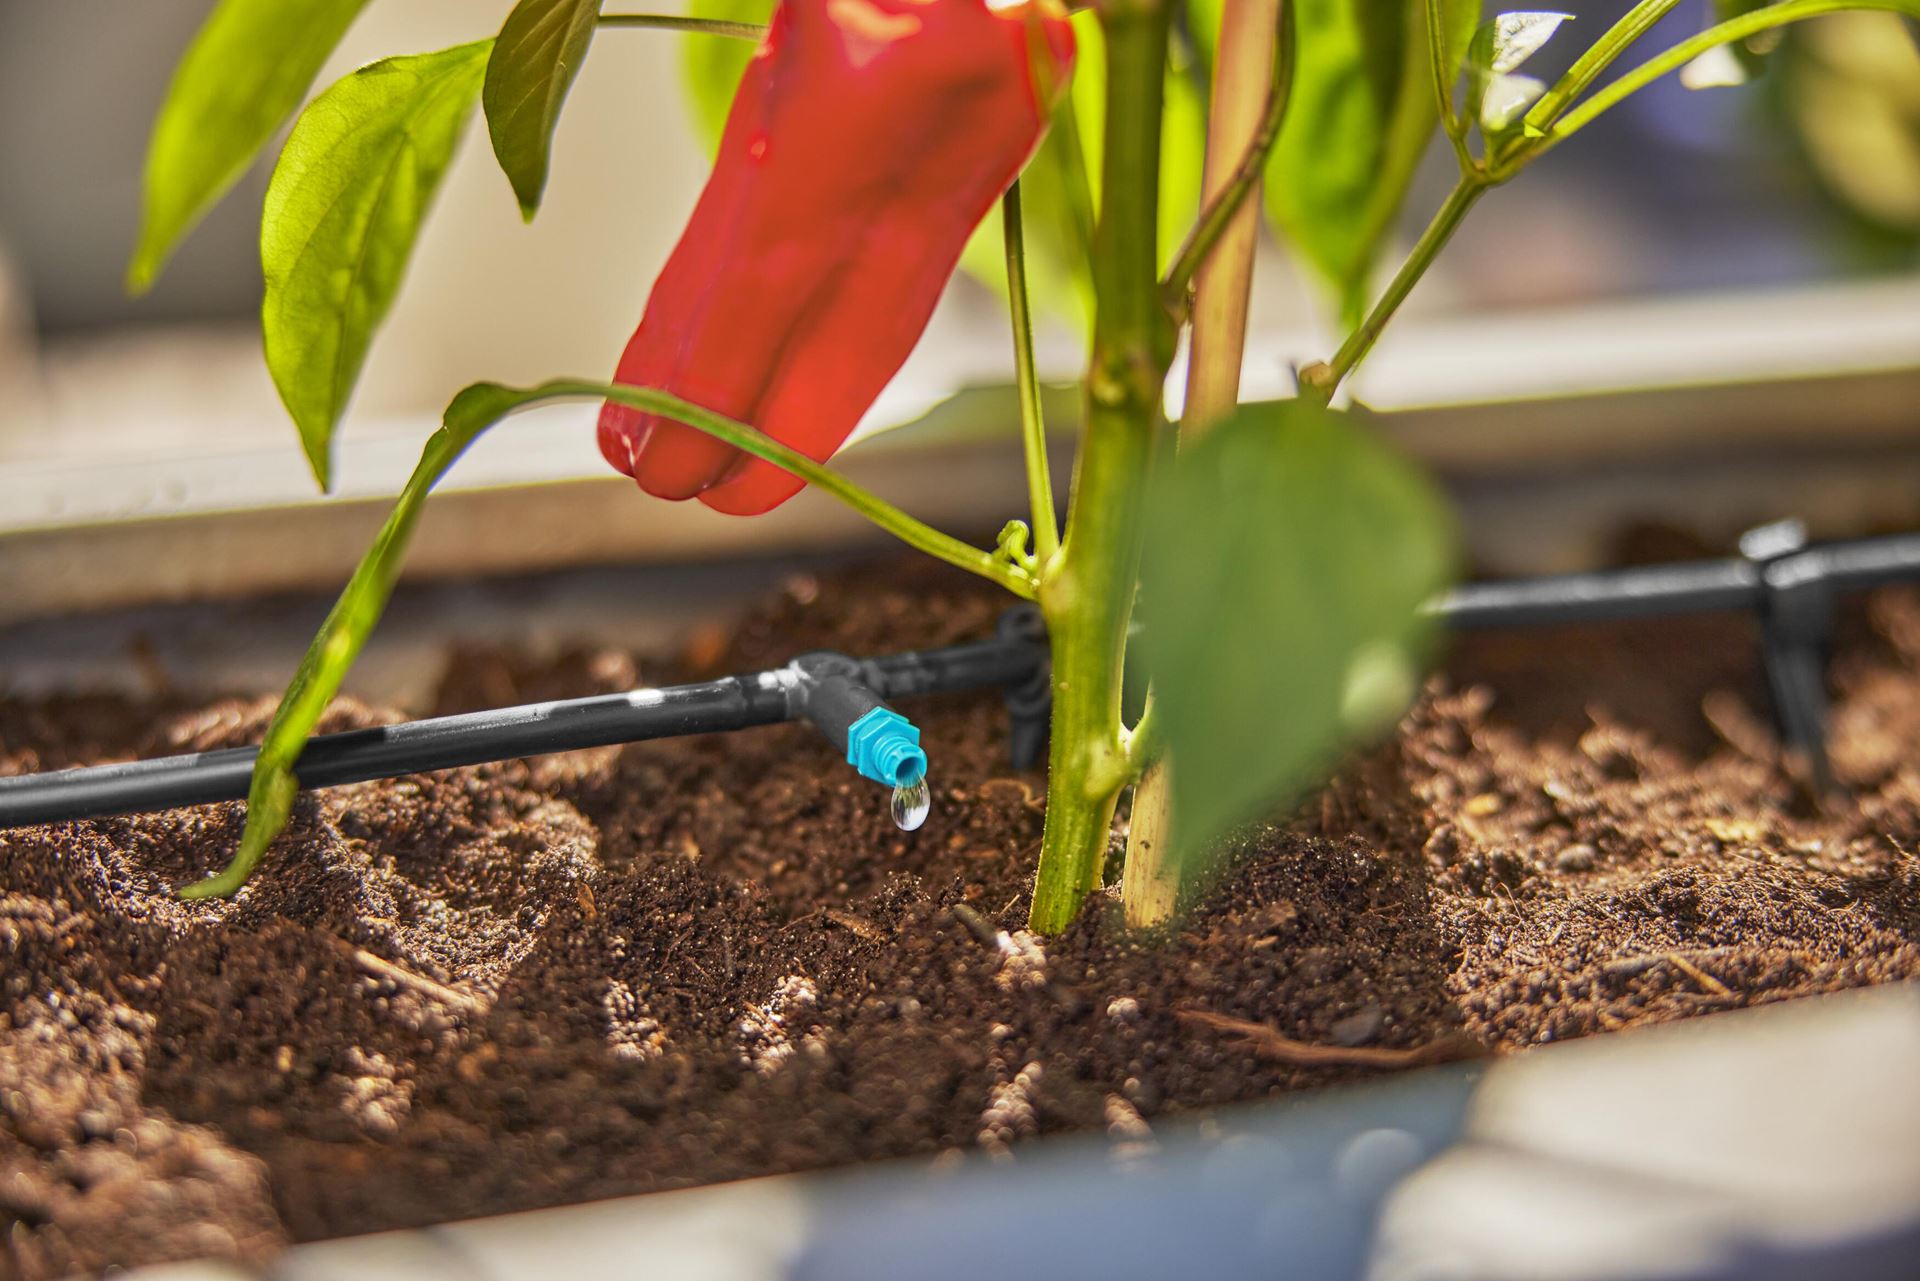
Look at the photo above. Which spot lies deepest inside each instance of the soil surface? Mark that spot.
(655, 966)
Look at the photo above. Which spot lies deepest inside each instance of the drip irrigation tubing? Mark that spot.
(1788, 584)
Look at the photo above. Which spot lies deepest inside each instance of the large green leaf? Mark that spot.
(239, 80)
(535, 58)
(1289, 556)
(1362, 112)
(342, 214)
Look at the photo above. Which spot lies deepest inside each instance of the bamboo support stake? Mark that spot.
(1242, 80)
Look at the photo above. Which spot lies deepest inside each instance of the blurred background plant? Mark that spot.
(1815, 179)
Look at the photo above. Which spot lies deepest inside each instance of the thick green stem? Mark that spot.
(1321, 380)
(1089, 595)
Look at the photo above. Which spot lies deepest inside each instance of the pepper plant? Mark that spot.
(1277, 555)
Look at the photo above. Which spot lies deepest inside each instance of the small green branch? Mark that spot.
(1443, 77)
(674, 22)
(1245, 180)
(1322, 380)
(500, 401)
(1587, 67)
(1011, 546)
(1143, 740)
(1033, 426)
(1743, 27)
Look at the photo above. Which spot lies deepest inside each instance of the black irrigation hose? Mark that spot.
(1788, 585)
(1692, 587)
(830, 690)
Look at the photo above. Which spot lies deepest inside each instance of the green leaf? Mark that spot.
(1497, 96)
(1515, 37)
(271, 795)
(342, 214)
(1359, 121)
(713, 67)
(1060, 187)
(354, 615)
(1289, 555)
(1058, 193)
(535, 58)
(1459, 19)
(239, 80)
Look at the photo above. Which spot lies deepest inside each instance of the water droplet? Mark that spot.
(911, 801)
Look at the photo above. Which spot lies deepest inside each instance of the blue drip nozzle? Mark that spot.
(885, 747)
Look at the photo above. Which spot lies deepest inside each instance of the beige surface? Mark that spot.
(1710, 413)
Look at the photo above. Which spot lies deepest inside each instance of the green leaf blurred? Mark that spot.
(1750, 55)
(238, 82)
(1459, 19)
(343, 211)
(713, 65)
(1060, 188)
(1362, 112)
(535, 58)
(1846, 93)
(1289, 554)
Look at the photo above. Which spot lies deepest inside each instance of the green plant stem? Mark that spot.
(1443, 77)
(1636, 22)
(1033, 424)
(1224, 206)
(1741, 28)
(1088, 597)
(274, 786)
(696, 26)
(914, 533)
(1322, 380)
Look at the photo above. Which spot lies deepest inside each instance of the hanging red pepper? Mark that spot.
(867, 140)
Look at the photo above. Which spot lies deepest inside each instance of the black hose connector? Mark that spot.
(829, 694)
(1796, 626)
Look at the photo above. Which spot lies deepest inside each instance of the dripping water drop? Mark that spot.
(911, 801)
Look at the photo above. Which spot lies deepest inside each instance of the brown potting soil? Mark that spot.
(661, 965)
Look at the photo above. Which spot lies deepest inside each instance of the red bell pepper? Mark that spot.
(867, 140)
